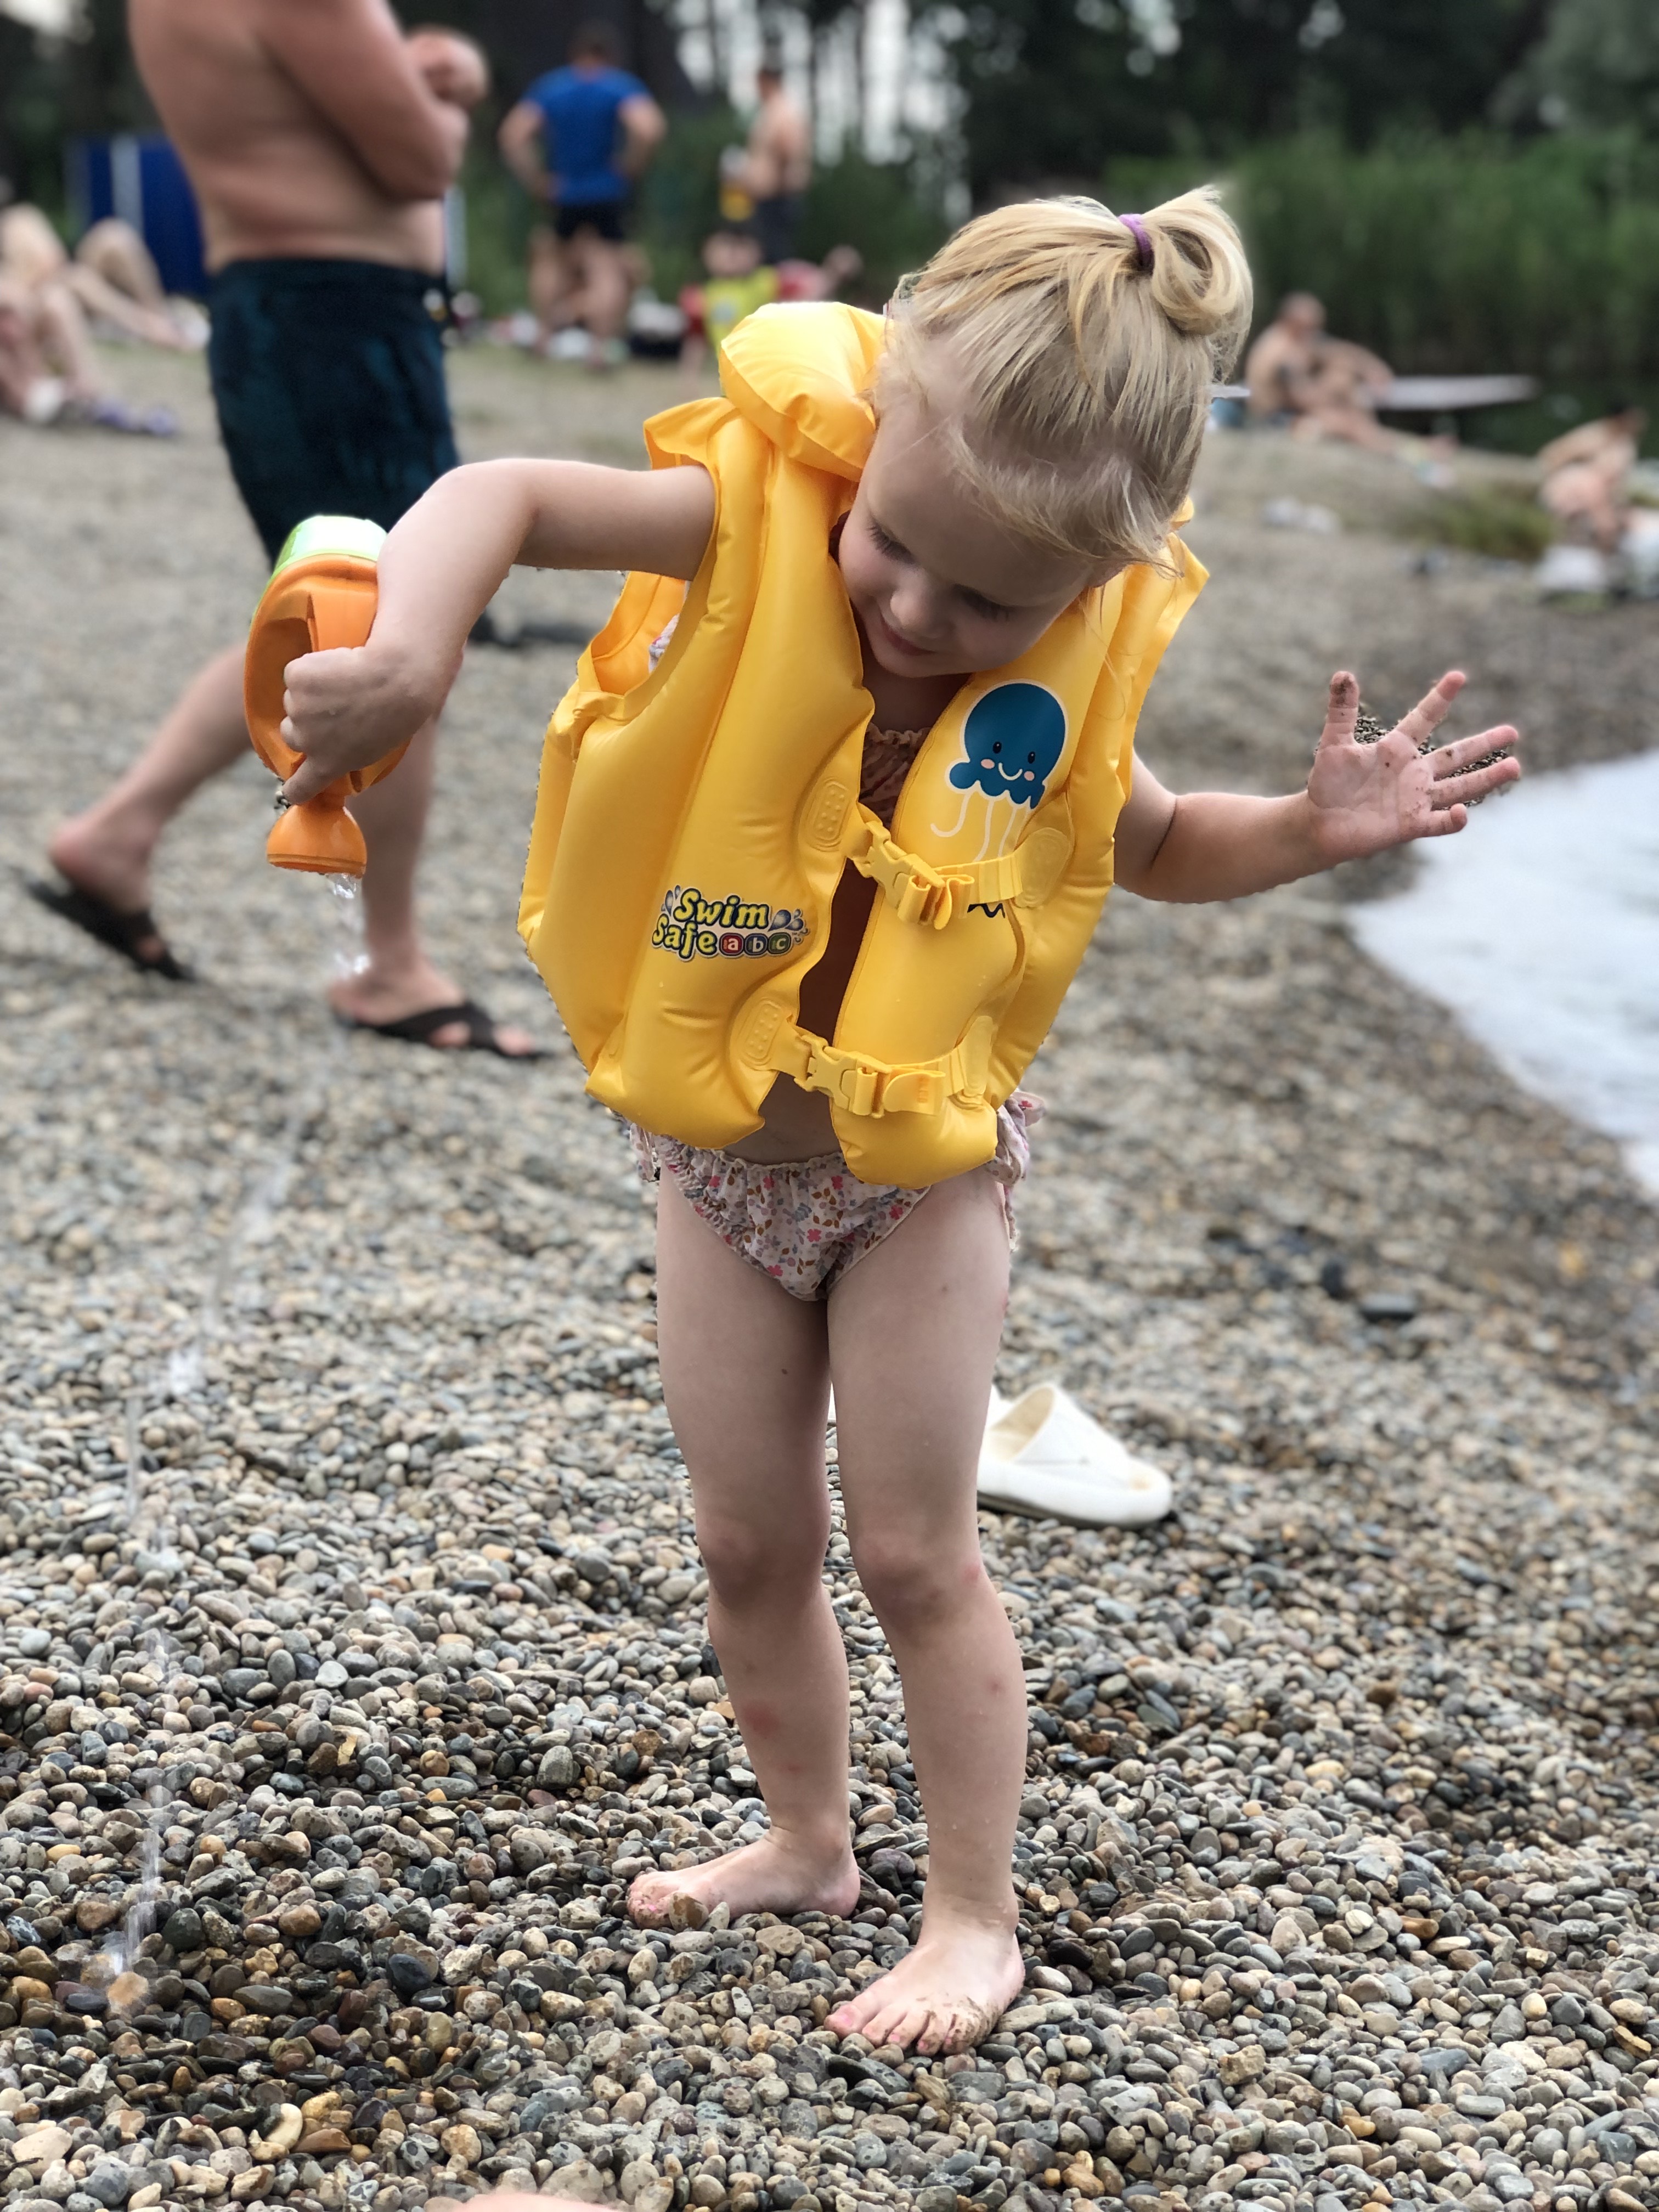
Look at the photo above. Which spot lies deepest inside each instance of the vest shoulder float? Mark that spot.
(693, 820)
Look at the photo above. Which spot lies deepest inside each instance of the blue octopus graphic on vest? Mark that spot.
(1013, 739)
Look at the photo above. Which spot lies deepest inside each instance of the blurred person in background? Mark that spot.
(47, 364)
(739, 282)
(1279, 366)
(112, 274)
(578, 141)
(320, 147)
(779, 167)
(49, 372)
(1586, 478)
(735, 283)
(1302, 378)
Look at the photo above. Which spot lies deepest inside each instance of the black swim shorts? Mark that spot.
(603, 217)
(329, 381)
(774, 224)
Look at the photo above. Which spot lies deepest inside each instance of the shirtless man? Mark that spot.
(319, 146)
(779, 167)
(1322, 387)
(1279, 366)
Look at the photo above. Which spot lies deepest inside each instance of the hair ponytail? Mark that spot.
(1083, 347)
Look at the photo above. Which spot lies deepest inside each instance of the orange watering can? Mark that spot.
(321, 595)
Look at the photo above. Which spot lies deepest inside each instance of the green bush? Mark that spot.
(1498, 524)
(891, 211)
(498, 220)
(1460, 256)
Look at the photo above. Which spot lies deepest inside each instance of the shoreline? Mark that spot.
(1540, 946)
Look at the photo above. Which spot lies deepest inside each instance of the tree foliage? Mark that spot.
(1054, 87)
(1456, 256)
(1596, 67)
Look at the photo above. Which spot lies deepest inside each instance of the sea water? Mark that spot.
(1538, 926)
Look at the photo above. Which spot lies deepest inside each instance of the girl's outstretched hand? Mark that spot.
(1366, 797)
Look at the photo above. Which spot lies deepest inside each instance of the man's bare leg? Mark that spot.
(99, 296)
(605, 293)
(551, 283)
(109, 849)
(120, 257)
(399, 979)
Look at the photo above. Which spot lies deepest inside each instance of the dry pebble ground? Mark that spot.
(351, 1644)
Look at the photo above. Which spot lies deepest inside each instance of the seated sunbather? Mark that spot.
(1586, 478)
(48, 370)
(112, 274)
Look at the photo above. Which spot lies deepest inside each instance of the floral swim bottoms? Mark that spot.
(806, 1222)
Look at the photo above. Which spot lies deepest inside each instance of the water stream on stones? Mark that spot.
(148, 1504)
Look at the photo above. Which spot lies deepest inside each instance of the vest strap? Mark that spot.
(874, 1087)
(933, 897)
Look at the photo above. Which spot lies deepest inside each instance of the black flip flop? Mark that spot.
(121, 933)
(483, 1034)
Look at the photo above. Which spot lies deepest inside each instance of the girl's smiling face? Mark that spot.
(939, 588)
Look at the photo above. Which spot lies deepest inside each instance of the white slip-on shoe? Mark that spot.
(1043, 1455)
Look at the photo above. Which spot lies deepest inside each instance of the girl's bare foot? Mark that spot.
(774, 1875)
(947, 1995)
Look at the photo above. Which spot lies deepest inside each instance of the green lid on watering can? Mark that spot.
(339, 537)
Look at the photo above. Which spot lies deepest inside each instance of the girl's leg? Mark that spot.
(914, 1330)
(746, 1378)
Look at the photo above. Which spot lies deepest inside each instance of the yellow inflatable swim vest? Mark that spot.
(693, 818)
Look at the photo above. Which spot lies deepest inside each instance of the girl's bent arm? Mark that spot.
(1360, 798)
(443, 564)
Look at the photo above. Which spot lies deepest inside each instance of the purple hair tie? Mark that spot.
(1137, 231)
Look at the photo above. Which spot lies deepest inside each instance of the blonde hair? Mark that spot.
(1082, 363)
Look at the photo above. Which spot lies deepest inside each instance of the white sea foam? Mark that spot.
(1538, 927)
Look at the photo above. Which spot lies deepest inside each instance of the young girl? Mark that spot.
(986, 554)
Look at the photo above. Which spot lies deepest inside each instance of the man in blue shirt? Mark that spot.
(576, 141)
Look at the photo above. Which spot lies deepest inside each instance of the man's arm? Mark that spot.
(644, 128)
(347, 57)
(520, 140)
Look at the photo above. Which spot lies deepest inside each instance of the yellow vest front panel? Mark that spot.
(694, 821)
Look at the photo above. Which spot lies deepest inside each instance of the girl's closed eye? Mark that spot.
(976, 604)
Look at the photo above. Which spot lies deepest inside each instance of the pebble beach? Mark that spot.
(352, 1651)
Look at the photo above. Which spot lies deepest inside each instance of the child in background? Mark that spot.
(739, 283)
(735, 286)
(1035, 409)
